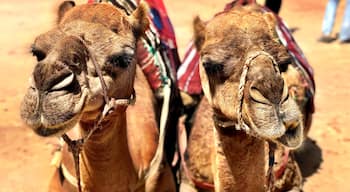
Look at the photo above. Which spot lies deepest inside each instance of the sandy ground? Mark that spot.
(25, 157)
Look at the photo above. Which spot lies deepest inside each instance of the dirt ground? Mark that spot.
(25, 157)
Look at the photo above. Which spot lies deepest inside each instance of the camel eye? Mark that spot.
(120, 60)
(283, 64)
(213, 68)
(40, 55)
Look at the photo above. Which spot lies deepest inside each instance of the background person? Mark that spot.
(328, 23)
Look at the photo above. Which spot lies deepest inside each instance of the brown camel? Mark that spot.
(85, 63)
(246, 74)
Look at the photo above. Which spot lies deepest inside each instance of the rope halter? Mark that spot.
(111, 105)
(242, 125)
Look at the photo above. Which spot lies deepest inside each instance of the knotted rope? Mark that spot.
(243, 126)
(76, 146)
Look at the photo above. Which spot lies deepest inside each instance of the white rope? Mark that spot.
(241, 124)
(156, 162)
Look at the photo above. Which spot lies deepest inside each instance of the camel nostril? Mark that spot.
(257, 96)
(52, 76)
(64, 82)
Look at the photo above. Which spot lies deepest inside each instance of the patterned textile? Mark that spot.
(188, 72)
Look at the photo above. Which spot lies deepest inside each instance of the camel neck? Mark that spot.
(105, 159)
(245, 157)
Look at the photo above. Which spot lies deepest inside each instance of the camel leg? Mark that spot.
(186, 185)
(161, 181)
(59, 184)
(55, 182)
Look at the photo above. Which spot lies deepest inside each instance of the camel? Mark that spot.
(248, 108)
(86, 76)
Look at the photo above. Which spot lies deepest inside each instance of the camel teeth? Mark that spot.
(64, 83)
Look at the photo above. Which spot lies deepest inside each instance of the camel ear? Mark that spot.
(271, 21)
(277, 50)
(63, 8)
(139, 19)
(199, 32)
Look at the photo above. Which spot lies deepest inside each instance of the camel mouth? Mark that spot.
(45, 131)
(55, 112)
(288, 136)
(271, 131)
(293, 136)
(264, 121)
(282, 124)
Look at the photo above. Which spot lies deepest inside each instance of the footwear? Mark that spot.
(326, 39)
(345, 41)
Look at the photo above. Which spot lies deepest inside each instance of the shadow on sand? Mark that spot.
(309, 157)
(293, 29)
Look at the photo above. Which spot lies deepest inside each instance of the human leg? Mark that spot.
(328, 21)
(344, 35)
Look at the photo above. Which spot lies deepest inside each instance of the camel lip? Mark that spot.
(292, 138)
(288, 144)
(43, 126)
(272, 133)
(280, 134)
(57, 130)
(288, 138)
(45, 132)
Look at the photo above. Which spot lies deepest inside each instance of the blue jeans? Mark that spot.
(329, 18)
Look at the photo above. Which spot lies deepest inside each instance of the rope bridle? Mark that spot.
(76, 146)
(112, 105)
(242, 126)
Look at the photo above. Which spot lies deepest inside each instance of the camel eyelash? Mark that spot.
(213, 68)
(40, 55)
(120, 60)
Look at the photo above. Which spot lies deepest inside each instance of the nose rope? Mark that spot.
(76, 146)
(243, 126)
(98, 70)
(242, 82)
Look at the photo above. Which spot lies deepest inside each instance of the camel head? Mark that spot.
(246, 38)
(65, 86)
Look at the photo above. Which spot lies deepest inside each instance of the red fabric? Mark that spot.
(293, 47)
(188, 73)
(146, 62)
(166, 32)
